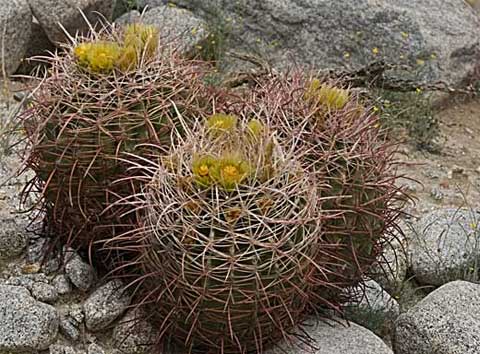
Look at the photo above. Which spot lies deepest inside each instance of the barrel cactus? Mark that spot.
(347, 151)
(229, 233)
(106, 95)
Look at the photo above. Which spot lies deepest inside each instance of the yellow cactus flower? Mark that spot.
(331, 97)
(81, 52)
(128, 59)
(221, 123)
(230, 170)
(142, 38)
(202, 168)
(255, 128)
(99, 56)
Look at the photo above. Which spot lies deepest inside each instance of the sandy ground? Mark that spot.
(452, 176)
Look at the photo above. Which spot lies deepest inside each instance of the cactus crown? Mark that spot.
(139, 42)
(333, 98)
(229, 154)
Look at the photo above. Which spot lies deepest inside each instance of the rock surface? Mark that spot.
(13, 237)
(95, 349)
(37, 284)
(178, 25)
(337, 338)
(134, 334)
(372, 297)
(67, 12)
(16, 29)
(105, 305)
(61, 349)
(445, 246)
(61, 284)
(25, 324)
(437, 38)
(447, 321)
(81, 274)
(130, 17)
(38, 45)
(69, 328)
(150, 4)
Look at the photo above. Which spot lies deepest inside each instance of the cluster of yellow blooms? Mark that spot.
(227, 171)
(331, 97)
(105, 56)
(230, 168)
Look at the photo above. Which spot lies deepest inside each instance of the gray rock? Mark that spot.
(105, 305)
(44, 292)
(95, 349)
(69, 328)
(61, 349)
(176, 25)
(15, 28)
(13, 238)
(447, 321)
(28, 280)
(130, 17)
(80, 273)
(52, 265)
(336, 338)
(371, 297)
(38, 45)
(76, 313)
(150, 4)
(67, 12)
(445, 246)
(438, 39)
(37, 284)
(122, 7)
(36, 248)
(61, 284)
(25, 323)
(134, 334)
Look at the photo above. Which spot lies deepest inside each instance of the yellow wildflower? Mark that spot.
(202, 168)
(220, 123)
(230, 170)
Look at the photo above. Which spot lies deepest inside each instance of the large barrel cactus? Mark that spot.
(348, 152)
(229, 236)
(104, 96)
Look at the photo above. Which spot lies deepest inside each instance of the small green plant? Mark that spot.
(411, 112)
(375, 320)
